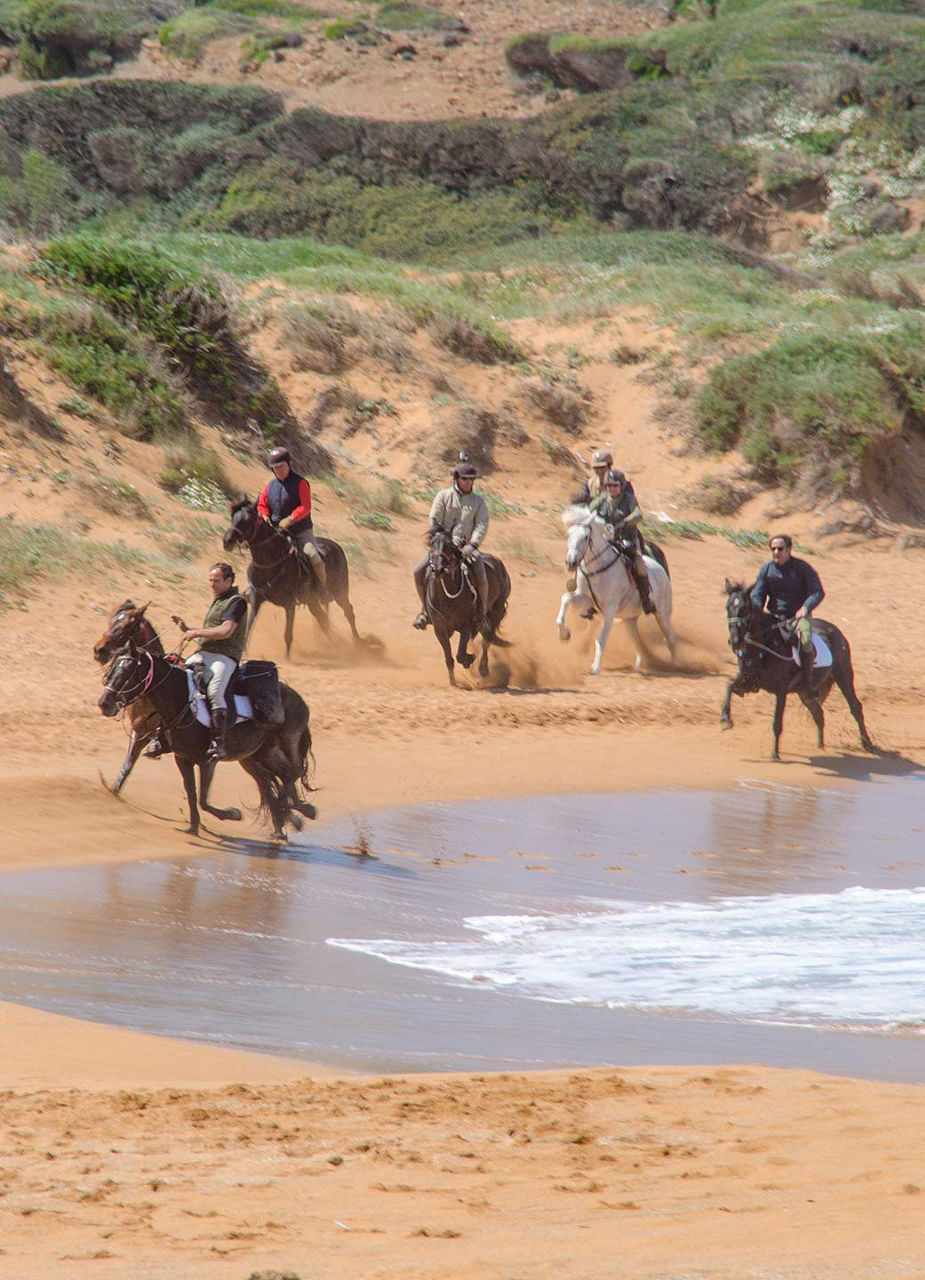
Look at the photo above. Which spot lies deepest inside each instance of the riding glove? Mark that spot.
(285, 523)
(470, 552)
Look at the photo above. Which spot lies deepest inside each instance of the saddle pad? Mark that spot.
(200, 704)
(823, 653)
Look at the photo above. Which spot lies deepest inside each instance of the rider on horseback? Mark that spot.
(792, 590)
(286, 503)
(224, 633)
(464, 515)
(601, 460)
(617, 506)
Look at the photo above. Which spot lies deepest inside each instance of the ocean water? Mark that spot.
(762, 923)
(851, 960)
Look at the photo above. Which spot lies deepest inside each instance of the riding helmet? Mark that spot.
(276, 456)
(614, 477)
(602, 458)
(464, 471)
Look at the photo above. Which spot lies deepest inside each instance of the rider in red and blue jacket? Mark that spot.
(286, 503)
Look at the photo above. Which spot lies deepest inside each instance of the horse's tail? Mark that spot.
(306, 758)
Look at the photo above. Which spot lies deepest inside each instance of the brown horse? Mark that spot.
(451, 605)
(279, 577)
(129, 625)
(275, 756)
(763, 648)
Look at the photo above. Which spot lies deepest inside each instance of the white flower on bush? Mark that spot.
(202, 496)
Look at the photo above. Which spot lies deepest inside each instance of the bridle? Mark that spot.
(249, 536)
(143, 686)
(741, 622)
(439, 561)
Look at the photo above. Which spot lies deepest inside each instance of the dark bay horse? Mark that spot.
(766, 662)
(277, 576)
(129, 623)
(275, 757)
(451, 604)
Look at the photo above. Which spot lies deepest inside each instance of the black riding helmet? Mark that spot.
(278, 455)
(464, 471)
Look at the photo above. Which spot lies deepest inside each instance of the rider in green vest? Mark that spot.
(222, 637)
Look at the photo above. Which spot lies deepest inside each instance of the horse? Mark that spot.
(129, 623)
(276, 575)
(276, 757)
(764, 646)
(605, 582)
(451, 601)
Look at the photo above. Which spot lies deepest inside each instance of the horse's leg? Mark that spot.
(444, 639)
(663, 618)
(271, 798)
(601, 643)
(780, 703)
(206, 774)
(187, 773)
(290, 622)
(463, 656)
(844, 678)
(254, 601)
(814, 707)
(570, 597)
(632, 626)
(725, 719)
(136, 745)
(341, 594)
(483, 663)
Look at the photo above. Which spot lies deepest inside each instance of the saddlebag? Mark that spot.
(259, 681)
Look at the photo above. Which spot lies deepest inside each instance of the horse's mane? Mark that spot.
(576, 513)
(730, 587)
(241, 504)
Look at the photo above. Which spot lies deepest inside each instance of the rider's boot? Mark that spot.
(155, 748)
(218, 749)
(420, 622)
(645, 597)
(803, 680)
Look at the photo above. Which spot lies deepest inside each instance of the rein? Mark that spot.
(254, 543)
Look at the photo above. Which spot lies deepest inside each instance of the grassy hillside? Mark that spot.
(723, 125)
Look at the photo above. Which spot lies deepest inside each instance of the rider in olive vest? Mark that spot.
(223, 635)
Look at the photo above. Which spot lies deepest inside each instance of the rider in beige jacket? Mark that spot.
(464, 515)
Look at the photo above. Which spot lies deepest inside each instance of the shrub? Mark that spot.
(816, 401)
(397, 15)
(41, 197)
(187, 36)
(78, 37)
(188, 316)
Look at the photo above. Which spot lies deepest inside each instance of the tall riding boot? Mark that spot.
(218, 750)
(807, 660)
(645, 598)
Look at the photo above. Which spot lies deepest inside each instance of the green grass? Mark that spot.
(30, 553)
(697, 530)
(188, 35)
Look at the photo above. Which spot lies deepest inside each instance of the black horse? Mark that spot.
(276, 757)
(129, 623)
(451, 602)
(276, 575)
(764, 650)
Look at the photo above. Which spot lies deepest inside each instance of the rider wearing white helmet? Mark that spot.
(601, 459)
(464, 515)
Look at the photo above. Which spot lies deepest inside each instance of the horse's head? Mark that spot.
(244, 520)
(579, 523)
(127, 624)
(739, 614)
(443, 556)
(128, 679)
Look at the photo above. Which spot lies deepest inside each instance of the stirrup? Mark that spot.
(217, 750)
(421, 622)
(155, 749)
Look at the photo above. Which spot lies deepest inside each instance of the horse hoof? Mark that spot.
(233, 815)
(564, 634)
(725, 724)
(191, 831)
(296, 821)
(308, 810)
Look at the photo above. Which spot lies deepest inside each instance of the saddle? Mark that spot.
(254, 694)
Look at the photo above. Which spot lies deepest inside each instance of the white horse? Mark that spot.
(604, 583)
